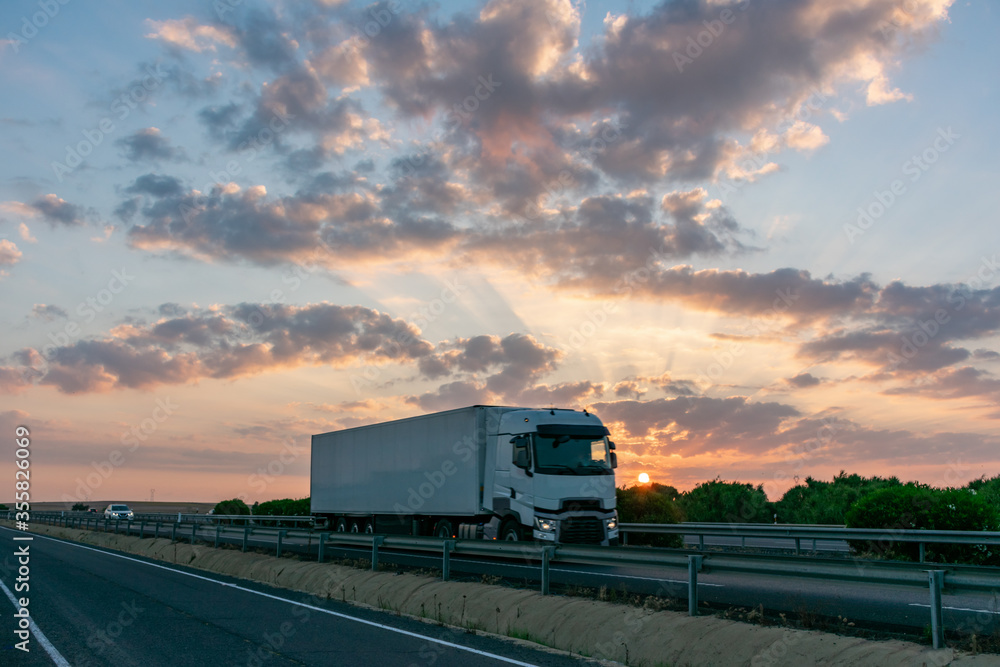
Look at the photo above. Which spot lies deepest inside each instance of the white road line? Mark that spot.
(37, 633)
(978, 611)
(281, 599)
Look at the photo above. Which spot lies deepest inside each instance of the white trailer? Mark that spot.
(477, 472)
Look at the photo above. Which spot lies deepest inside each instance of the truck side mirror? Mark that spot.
(611, 445)
(614, 460)
(521, 457)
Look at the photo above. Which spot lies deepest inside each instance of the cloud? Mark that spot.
(488, 369)
(51, 209)
(156, 186)
(48, 313)
(609, 236)
(230, 342)
(699, 424)
(149, 145)
(775, 440)
(676, 117)
(955, 383)
(187, 34)
(323, 228)
(803, 380)
(9, 254)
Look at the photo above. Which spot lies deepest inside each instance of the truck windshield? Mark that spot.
(571, 455)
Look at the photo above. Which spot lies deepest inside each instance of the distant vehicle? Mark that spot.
(118, 512)
(93, 510)
(480, 472)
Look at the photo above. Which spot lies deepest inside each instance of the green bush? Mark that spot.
(726, 502)
(232, 507)
(987, 489)
(650, 504)
(283, 507)
(819, 502)
(80, 507)
(915, 506)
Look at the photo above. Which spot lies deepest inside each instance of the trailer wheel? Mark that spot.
(354, 526)
(510, 531)
(341, 525)
(443, 529)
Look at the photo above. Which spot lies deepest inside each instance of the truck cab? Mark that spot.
(553, 479)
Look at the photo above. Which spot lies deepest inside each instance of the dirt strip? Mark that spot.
(605, 630)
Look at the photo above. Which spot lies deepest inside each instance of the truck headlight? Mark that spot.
(612, 523)
(547, 525)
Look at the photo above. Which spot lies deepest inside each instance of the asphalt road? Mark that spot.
(99, 607)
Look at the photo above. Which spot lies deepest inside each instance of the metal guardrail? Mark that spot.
(255, 519)
(957, 578)
(799, 532)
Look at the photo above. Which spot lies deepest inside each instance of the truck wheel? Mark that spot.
(354, 526)
(510, 531)
(443, 529)
(341, 525)
(369, 527)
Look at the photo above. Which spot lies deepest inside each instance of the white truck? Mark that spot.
(481, 472)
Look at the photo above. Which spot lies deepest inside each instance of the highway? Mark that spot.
(98, 607)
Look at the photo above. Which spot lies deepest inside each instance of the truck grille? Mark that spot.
(581, 505)
(582, 530)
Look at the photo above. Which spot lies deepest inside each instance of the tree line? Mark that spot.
(847, 500)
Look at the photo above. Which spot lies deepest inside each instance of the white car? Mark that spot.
(118, 512)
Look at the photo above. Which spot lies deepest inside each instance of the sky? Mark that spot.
(758, 239)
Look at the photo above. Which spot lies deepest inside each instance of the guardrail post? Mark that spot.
(798, 546)
(377, 540)
(547, 554)
(246, 537)
(322, 547)
(701, 543)
(179, 519)
(446, 560)
(694, 566)
(142, 528)
(173, 533)
(118, 523)
(156, 531)
(218, 529)
(194, 532)
(281, 537)
(923, 551)
(936, 580)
